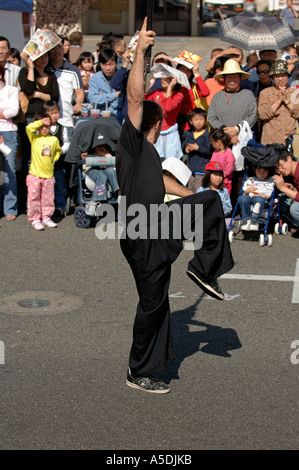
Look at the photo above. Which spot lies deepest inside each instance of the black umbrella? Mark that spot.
(256, 31)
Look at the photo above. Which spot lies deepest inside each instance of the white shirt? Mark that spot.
(69, 79)
(9, 106)
(263, 186)
(11, 74)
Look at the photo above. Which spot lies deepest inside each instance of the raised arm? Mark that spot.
(135, 88)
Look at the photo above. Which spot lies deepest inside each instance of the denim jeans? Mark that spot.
(100, 178)
(10, 193)
(290, 209)
(60, 188)
(246, 201)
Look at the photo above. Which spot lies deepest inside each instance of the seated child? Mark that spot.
(223, 154)
(214, 179)
(197, 145)
(99, 177)
(256, 190)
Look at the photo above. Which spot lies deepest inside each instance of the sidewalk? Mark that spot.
(201, 45)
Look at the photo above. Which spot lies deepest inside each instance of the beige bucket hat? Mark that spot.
(230, 67)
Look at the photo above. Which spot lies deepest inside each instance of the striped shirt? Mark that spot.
(263, 186)
(11, 75)
(69, 79)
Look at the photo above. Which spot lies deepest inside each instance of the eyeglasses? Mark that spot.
(234, 56)
(262, 71)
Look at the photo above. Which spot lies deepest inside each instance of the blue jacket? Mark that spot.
(101, 92)
(119, 82)
(198, 159)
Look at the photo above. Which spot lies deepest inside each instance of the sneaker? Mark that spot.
(60, 213)
(246, 225)
(254, 226)
(90, 208)
(211, 289)
(147, 384)
(37, 225)
(49, 223)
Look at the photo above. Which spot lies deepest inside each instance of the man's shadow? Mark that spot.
(203, 337)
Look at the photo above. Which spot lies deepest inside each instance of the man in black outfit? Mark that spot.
(141, 181)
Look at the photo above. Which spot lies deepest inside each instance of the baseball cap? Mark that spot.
(214, 166)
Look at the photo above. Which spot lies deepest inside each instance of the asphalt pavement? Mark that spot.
(67, 308)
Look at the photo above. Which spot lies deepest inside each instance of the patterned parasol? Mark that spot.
(258, 31)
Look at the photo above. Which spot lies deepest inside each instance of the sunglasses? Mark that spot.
(262, 71)
(234, 56)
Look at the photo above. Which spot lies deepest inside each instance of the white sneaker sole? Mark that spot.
(205, 287)
(137, 387)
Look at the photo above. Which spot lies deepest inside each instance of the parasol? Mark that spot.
(257, 31)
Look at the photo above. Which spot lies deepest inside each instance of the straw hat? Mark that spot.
(230, 67)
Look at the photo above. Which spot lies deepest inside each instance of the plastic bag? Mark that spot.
(245, 135)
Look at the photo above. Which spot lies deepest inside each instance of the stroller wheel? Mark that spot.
(68, 205)
(231, 236)
(262, 239)
(82, 220)
(270, 240)
(284, 229)
(276, 228)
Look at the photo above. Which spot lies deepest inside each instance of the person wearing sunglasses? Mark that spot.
(263, 69)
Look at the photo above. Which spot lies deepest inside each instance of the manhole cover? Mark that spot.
(39, 303)
(34, 303)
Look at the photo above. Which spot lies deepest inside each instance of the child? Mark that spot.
(56, 129)
(256, 190)
(170, 98)
(213, 179)
(223, 154)
(45, 151)
(197, 145)
(86, 67)
(96, 180)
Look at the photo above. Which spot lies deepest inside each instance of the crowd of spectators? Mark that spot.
(201, 123)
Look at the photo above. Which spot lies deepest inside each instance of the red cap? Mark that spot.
(214, 166)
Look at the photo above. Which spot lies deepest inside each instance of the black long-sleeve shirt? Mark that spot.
(28, 87)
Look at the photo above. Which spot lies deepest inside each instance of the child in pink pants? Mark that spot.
(45, 151)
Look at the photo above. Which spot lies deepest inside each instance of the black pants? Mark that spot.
(150, 261)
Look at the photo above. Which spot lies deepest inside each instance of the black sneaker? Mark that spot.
(147, 384)
(211, 289)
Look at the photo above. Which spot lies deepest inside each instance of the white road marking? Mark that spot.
(295, 297)
(258, 277)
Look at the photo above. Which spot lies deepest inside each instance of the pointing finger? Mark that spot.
(144, 26)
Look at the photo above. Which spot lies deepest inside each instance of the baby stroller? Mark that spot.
(88, 134)
(263, 156)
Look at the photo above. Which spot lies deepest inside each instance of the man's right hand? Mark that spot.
(146, 38)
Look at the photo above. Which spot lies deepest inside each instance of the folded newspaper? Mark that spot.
(187, 58)
(164, 70)
(40, 43)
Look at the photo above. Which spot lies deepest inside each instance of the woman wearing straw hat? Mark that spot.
(276, 108)
(233, 104)
(230, 107)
